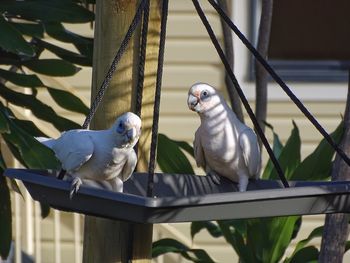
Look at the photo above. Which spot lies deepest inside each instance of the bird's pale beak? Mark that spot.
(131, 133)
(192, 102)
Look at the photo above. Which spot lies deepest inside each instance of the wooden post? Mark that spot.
(107, 240)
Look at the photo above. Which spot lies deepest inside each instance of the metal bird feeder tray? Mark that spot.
(184, 198)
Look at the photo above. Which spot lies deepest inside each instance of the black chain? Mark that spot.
(152, 160)
(240, 92)
(283, 85)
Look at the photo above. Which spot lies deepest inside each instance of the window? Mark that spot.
(310, 40)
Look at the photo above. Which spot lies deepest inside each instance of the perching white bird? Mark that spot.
(101, 155)
(223, 145)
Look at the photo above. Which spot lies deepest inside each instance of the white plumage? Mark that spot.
(105, 156)
(223, 145)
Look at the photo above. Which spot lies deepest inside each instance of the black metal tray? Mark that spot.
(182, 198)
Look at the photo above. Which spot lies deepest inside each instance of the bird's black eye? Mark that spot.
(120, 124)
(205, 94)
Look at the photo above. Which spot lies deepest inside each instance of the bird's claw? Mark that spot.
(214, 177)
(75, 186)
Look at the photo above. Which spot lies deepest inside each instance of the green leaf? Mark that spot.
(289, 158)
(318, 165)
(29, 29)
(51, 67)
(53, 10)
(169, 245)
(237, 241)
(68, 101)
(277, 149)
(5, 218)
(32, 153)
(270, 237)
(306, 255)
(170, 158)
(38, 108)
(211, 227)
(317, 232)
(4, 126)
(12, 40)
(67, 55)
(83, 44)
(29, 127)
(22, 80)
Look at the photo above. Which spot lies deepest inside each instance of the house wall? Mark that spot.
(189, 58)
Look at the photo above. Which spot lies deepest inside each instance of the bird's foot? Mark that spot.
(214, 177)
(243, 183)
(75, 186)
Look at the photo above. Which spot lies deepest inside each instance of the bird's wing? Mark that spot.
(250, 149)
(198, 150)
(73, 149)
(129, 166)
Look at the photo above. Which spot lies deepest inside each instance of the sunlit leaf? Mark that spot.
(277, 148)
(289, 158)
(51, 67)
(318, 165)
(53, 10)
(5, 218)
(269, 237)
(12, 40)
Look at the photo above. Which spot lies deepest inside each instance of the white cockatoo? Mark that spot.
(223, 145)
(99, 156)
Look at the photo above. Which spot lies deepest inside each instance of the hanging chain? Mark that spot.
(151, 166)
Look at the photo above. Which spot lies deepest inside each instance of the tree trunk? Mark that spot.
(229, 52)
(261, 76)
(107, 240)
(336, 229)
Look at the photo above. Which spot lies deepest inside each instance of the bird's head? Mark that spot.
(128, 126)
(202, 98)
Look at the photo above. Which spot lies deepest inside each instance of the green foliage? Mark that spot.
(263, 240)
(24, 26)
(170, 158)
(168, 245)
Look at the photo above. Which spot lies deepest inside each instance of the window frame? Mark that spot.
(297, 70)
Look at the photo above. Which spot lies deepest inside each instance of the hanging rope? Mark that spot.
(152, 158)
(240, 92)
(111, 70)
(283, 85)
(113, 66)
(142, 60)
